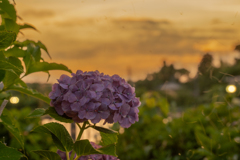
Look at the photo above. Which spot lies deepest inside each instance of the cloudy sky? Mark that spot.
(132, 36)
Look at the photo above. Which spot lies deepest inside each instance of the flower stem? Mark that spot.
(79, 126)
(81, 130)
(67, 154)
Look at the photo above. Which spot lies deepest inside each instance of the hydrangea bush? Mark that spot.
(91, 97)
(84, 99)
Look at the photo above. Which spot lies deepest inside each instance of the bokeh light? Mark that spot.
(231, 88)
(14, 100)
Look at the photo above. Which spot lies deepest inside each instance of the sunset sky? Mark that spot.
(114, 36)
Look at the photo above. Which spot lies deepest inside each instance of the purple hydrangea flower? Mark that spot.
(92, 156)
(94, 96)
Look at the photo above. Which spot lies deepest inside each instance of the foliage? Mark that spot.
(207, 131)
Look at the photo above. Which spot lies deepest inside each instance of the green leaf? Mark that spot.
(11, 25)
(25, 25)
(17, 63)
(48, 154)
(104, 130)
(5, 95)
(36, 54)
(45, 66)
(108, 139)
(41, 45)
(12, 68)
(8, 9)
(15, 51)
(6, 39)
(36, 113)
(30, 92)
(6, 65)
(84, 148)
(27, 42)
(109, 150)
(2, 74)
(60, 135)
(52, 112)
(10, 78)
(8, 153)
(28, 60)
(12, 126)
(20, 82)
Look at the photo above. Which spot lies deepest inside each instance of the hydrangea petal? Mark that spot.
(90, 115)
(124, 109)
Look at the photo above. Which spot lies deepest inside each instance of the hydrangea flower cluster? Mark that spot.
(95, 96)
(89, 157)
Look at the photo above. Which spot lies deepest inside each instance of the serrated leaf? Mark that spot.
(84, 148)
(30, 92)
(48, 154)
(8, 153)
(12, 126)
(108, 139)
(27, 42)
(61, 137)
(104, 130)
(36, 113)
(25, 26)
(6, 39)
(52, 112)
(15, 51)
(41, 45)
(45, 66)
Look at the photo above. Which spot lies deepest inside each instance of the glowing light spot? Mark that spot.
(14, 100)
(231, 88)
(237, 139)
(170, 136)
(165, 120)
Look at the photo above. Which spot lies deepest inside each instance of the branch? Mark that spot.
(4, 103)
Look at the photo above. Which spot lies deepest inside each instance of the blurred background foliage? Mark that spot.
(195, 119)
